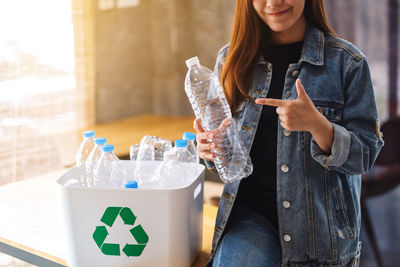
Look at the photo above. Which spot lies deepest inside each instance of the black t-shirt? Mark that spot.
(258, 191)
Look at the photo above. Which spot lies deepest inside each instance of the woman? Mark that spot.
(311, 132)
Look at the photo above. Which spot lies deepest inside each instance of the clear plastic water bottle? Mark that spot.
(85, 148)
(83, 152)
(108, 173)
(180, 153)
(175, 171)
(190, 138)
(93, 159)
(208, 101)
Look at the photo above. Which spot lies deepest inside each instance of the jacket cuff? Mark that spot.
(339, 151)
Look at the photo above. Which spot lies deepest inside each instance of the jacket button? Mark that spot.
(247, 128)
(288, 94)
(284, 168)
(218, 229)
(258, 91)
(286, 204)
(287, 238)
(286, 132)
(295, 73)
(227, 196)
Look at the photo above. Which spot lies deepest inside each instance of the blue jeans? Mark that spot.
(249, 240)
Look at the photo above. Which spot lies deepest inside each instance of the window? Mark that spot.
(44, 85)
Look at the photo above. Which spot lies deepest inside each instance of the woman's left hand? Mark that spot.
(301, 115)
(295, 115)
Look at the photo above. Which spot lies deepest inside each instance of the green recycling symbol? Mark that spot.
(108, 218)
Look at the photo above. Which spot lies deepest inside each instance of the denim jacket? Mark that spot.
(318, 195)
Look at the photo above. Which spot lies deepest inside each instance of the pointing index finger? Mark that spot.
(270, 102)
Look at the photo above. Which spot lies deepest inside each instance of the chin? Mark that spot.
(278, 27)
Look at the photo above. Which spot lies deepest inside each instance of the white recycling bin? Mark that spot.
(113, 227)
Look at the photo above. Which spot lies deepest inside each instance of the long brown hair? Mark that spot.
(249, 36)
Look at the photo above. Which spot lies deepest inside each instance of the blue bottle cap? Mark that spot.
(131, 184)
(100, 141)
(88, 134)
(108, 148)
(189, 136)
(180, 143)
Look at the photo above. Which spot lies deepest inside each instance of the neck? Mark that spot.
(292, 35)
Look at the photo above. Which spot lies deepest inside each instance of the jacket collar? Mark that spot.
(313, 47)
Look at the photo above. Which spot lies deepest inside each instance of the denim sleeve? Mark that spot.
(218, 65)
(357, 139)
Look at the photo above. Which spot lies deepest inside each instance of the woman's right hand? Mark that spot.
(207, 141)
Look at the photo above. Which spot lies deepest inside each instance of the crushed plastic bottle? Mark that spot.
(134, 151)
(208, 101)
(151, 148)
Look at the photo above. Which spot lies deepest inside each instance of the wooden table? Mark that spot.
(30, 229)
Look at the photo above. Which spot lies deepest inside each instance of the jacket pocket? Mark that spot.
(331, 110)
(341, 212)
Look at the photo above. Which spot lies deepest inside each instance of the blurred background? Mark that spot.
(68, 64)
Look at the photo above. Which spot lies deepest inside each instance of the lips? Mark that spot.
(280, 13)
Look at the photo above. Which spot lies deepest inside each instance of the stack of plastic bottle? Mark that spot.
(98, 164)
(208, 101)
(154, 163)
